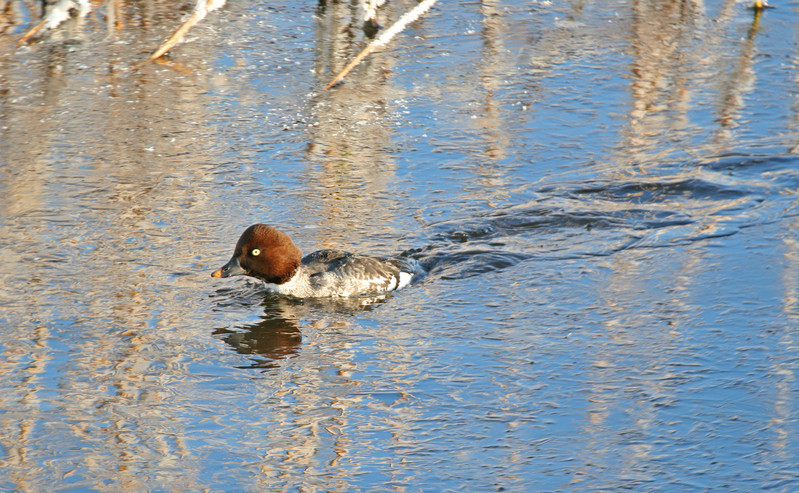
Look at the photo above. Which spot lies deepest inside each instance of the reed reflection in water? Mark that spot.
(604, 197)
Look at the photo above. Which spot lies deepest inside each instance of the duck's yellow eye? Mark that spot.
(255, 252)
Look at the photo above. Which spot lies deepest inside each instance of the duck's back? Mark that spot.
(340, 273)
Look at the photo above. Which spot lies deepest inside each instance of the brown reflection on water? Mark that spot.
(10, 15)
(102, 209)
(102, 243)
(117, 407)
(350, 166)
(350, 153)
(109, 402)
(666, 69)
(670, 68)
(20, 428)
(736, 82)
(104, 18)
(679, 55)
(785, 369)
(639, 341)
(319, 415)
(662, 86)
(491, 180)
(494, 64)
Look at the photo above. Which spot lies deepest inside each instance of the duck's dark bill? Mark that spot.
(232, 268)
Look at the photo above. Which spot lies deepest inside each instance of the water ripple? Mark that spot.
(602, 217)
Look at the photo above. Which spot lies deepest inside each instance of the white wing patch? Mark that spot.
(404, 279)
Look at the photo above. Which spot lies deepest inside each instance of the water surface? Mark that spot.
(604, 196)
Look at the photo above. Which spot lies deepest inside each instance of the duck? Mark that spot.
(265, 253)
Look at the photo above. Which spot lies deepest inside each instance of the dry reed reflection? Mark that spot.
(61, 10)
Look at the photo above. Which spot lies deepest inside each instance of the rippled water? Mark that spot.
(604, 196)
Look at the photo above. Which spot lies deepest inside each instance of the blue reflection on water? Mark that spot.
(604, 199)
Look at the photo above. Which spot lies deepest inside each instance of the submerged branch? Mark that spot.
(201, 9)
(369, 8)
(382, 40)
(56, 14)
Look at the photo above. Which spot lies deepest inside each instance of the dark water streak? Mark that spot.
(573, 221)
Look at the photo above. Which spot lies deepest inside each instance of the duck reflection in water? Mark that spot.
(269, 340)
(277, 335)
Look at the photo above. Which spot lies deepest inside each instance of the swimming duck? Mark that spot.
(267, 254)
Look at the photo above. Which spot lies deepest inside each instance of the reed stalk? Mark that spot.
(382, 40)
(201, 9)
(56, 14)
